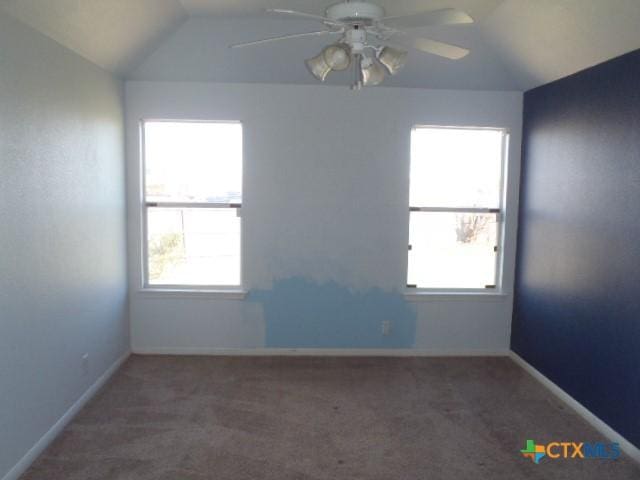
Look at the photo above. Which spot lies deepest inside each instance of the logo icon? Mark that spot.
(570, 450)
(533, 451)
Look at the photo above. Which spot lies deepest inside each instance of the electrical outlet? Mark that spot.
(85, 363)
(386, 327)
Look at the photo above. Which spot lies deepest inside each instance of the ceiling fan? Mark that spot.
(370, 41)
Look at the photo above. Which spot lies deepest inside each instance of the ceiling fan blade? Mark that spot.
(310, 16)
(285, 37)
(445, 16)
(427, 45)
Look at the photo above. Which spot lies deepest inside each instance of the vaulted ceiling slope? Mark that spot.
(114, 34)
(516, 44)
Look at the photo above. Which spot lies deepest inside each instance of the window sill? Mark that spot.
(235, 294)
(427, 296)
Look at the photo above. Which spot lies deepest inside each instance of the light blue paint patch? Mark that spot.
(300, 313)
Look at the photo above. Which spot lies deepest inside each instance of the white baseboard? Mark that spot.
(319, 352)
(613, 436)
(25, 462)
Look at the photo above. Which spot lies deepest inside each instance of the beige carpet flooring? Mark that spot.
(196, 418)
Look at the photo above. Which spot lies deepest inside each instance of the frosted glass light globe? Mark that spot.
(337, 56)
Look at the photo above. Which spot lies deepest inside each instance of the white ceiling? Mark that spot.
(543, 40)
(516, 44)
(475, 8)
(115, 34)
(199, 51)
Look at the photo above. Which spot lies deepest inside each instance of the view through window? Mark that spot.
(192, 197)
(455, 207)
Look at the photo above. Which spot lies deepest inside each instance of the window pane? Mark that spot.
(452, 250)
(193, 162)
(455, 167)
(193, 246)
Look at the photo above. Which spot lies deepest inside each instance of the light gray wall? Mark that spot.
(62, 233)
(325, 220)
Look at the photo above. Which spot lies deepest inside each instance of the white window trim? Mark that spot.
(425, 295)
(228, 294)
(183, 290)
(419, 294)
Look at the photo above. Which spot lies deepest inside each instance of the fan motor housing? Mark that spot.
(356, 12)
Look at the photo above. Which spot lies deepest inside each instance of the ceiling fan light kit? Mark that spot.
(318, 67)
(369, 41)
(372, 72)
(337, 56)
(393, 59)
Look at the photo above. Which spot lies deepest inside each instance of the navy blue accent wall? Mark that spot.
(577, 303)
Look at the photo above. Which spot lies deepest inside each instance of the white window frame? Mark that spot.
(234, 290)
(492, 290)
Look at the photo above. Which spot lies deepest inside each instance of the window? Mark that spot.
(455, 208)
(192, 195)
